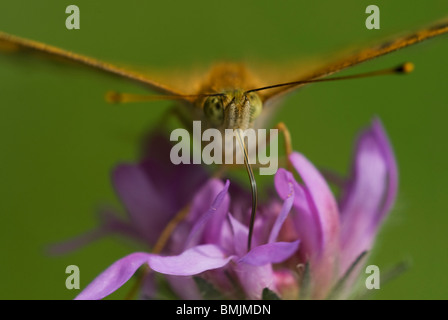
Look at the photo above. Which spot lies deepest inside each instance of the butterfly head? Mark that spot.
(235, 109)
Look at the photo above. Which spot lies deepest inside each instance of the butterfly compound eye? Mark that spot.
(255, 104)
(214, 110)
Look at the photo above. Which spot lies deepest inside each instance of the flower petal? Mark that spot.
(145, 205)
(321, 199)
(212, 214)
(184, 287)
(304, 219)
(154, 190)
(113, 277)
(392, 169)
(190, 262)
(369, 194)
(182, 180)
(254, 279)
(288, 193)
(270, 253)
(240, 235)
(321, 246)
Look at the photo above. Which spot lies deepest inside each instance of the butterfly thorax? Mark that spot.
(226, 77)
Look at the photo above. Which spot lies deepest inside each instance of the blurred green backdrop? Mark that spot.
(59, 140)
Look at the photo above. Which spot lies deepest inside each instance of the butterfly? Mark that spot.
(229, 96)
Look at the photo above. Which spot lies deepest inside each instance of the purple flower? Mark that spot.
(210, 241)
(211, 238)
(335, 233)
(206, 247)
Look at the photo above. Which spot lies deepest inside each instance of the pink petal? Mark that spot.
(254, 279)
(109, 224)
(210, 210)
(240, 233)
(144, 204)
(391, 164)
(190, 262)
(270, 253)
(288, 193)
(369, 195)
(304, 219)
(324, 215)
(184, 287)
(113, 277)
(321, 199)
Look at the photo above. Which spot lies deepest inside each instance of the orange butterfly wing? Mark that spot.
(13, 43)
(361, 56)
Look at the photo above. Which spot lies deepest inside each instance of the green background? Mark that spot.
(59, 140)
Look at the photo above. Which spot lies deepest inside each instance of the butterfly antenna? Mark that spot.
(404, 68)
(253, 186)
